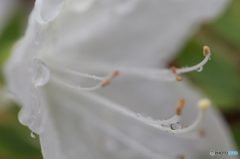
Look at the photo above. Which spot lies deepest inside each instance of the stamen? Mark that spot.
(206, 50)
(148, 73)
(74, 73)
(206, 53)
(165, 126)
(203, 104)
(178, 78)
(115, 74)
(202, 133)
(179, 106)
(174, 69)
(105, 82)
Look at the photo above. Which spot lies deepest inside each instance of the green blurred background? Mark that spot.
(220, 80)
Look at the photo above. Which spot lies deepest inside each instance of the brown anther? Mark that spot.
(178, 78)
(202, 133)
(174, 69)
(115, 74)
(206, 50)
(105, 82)
(179, 106)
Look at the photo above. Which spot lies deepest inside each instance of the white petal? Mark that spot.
(145, 37)
(20, 68)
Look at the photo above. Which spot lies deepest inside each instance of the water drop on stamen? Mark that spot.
(33, 135)
(175, 126)
(209, 58)
(41, 73)
(200, 69)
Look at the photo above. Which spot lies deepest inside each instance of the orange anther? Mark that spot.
(174, 69)
(178, 78)
(105, 82)
(202, 133)
(206, 50)
(179, 106)
(115, 74)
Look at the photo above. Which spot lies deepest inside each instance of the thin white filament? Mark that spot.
(193, 68)
(148, 73)
(75, 73)
(154, 123)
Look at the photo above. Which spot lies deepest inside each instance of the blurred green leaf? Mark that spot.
(236, 132)
(12, 32)
(15, 140)
(228, 25)
(14, 145)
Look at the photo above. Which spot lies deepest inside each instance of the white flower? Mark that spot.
(73, 48)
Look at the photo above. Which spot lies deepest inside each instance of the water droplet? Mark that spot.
(200, 69)
(209, 58)
(33, 135)
(41, 73)
(175, 126)
(31, 114)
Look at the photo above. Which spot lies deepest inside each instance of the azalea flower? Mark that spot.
(90, 78)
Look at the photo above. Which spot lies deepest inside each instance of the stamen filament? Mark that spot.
(76, 73)
(161, 125)
(148, 73)
(105, 81)
(193, 68)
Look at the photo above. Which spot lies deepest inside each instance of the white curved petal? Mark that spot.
(20, 68)
(145, 37)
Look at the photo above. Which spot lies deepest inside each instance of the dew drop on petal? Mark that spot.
(41, 73)
(25, 116)
(33, 135)
(175, 126)
(200, 69)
